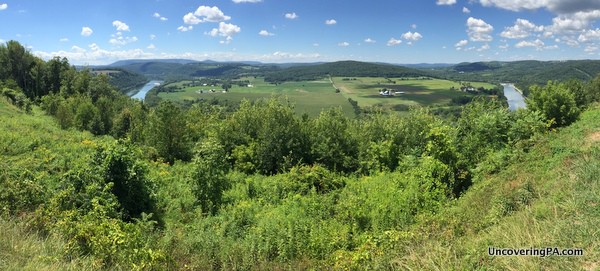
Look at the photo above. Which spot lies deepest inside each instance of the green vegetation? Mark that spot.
(90, 179)
(421, 91)
(309, 97)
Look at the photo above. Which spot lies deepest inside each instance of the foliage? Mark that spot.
(555, 102)
(168, 132)
(208, 178)
(119, 165)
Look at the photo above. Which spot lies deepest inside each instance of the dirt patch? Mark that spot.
(593, 137)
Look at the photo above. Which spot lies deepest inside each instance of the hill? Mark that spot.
(522, 72)
(542, 194)
(122, 79)
(342, 68)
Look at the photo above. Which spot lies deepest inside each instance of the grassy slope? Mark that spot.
(45, 152)
(546, 198)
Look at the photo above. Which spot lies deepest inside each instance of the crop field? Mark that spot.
(312, 97)
(309, 97)
(415, 91)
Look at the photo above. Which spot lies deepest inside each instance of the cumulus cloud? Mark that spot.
(574, 22)
(483, 48)
(330, 22)
(121, 26)
(522, 29)
(225, 30)
(556, 6)
(538, 44)
(461, 44)
(157, 15)
(185, 28)
(344, 44)
(95, 55)
(466, 10)
(446, 2)
(152, 36)
(369, 40)
(265, 33)
(86, 31)
(151, 46)
(393, 42)
(412, 36)
(589, 35)
(205, 14)
(64, 40)
(479, 30)
(291, 16)
(247, 1)
(118, 39)
(3, 6)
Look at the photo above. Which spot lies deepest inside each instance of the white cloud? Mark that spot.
(157, 15)
(64, 40)
(522, 29)
(393, 42)
(205, 14)
(446, 2)
(151, 46)
(556, 6)
(121, 26)
(574, 22)
(589, 35)
(265, 33)
(247, 1)
(330, 22)
(413, 26)
(315, 44)
(461, 43)
(77, 49)
(412, 36)
(152, 36)
(483, 48)
(291, 16)
(86, 31)
(590, 49)
(344, 44)
(225, 30)
(118, 39)
(185, 28)
(3, 6)
(369, 40)
(479, 30)
(538, 44)
(466, 10)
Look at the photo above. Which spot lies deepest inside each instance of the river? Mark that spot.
(141, 93)
(514, 97)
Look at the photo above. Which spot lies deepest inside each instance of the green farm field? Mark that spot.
(423, 92)
(309, 97)
(312, 97)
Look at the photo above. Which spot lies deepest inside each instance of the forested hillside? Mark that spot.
(90, 179)
(523, 73)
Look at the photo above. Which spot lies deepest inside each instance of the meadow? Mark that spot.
(309, 97)
(313, 96)
(416, 91)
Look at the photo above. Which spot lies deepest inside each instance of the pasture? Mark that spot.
(312, 97)
(309, 97)
(415, 91)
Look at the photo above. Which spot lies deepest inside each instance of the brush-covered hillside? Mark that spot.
(60, 212)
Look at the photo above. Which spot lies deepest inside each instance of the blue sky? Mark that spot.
(395, 31)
